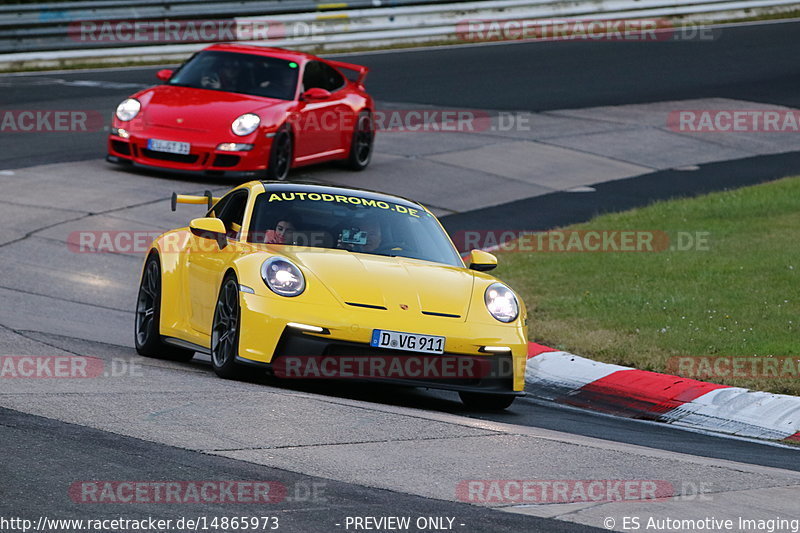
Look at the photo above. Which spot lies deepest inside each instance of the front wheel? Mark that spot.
(361, 145)
(148, 316)
(225, 330)
(280, 155)
(486, 402)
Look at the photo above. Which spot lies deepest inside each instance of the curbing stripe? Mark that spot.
(623, 391)
(536, 349)
(554, 375)
(639, 393)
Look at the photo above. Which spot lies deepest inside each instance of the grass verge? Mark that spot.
(734, 296)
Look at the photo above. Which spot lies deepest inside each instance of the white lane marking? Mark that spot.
(38, 82)
(6, 172)
(102, 84)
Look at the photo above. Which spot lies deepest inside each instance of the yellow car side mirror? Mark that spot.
(210, 228)
(482, 261)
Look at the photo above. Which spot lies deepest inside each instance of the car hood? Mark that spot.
(391, 282)
(199, 110)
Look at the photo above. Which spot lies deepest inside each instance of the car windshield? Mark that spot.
(239, 73)
(351, 222)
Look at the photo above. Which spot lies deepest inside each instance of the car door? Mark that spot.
(207, 261)
(321, 121)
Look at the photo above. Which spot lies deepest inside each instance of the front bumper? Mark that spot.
(266, 339)
(302, 356)
(203, 159)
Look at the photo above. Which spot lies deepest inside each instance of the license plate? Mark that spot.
(172, 147)
(411, 342)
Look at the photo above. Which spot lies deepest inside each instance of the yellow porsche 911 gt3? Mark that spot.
(315, 282)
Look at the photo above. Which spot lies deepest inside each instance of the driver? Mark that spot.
(282, 234)
(223, 77)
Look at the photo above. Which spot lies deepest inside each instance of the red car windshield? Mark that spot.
(239, 73)
(349, 222)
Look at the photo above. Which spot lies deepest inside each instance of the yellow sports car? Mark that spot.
(307, 281)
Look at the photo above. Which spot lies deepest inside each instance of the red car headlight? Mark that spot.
(245, 124)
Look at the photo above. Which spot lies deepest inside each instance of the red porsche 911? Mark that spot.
(246, 111)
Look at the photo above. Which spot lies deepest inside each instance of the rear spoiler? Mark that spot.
(207, 198)
(362, 70)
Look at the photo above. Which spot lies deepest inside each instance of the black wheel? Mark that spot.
(280, 155)
(148, 316)
(361, 146)
(486, 402)
(225, 330)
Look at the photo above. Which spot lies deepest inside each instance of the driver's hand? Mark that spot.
(211, 81)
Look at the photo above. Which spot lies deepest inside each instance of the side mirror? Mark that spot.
(482, 261)
(210, 228)
(164, 74)
(316, 94)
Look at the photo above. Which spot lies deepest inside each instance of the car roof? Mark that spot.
(278, 186)
(281, 53)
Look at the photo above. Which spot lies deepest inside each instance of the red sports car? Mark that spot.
(246, 111)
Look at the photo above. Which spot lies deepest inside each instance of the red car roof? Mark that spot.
(290, 55)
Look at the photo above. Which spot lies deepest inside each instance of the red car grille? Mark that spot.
(164, 156)
(226, 160)
(121, 147)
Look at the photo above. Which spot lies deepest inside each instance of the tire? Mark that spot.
(362, 143)
(225, 330)
(486, 402)
(148, 316)
(280, 155)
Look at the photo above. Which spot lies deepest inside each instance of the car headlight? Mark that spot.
(282, 276)
(246, 124)
(501, 302)
(128, 109)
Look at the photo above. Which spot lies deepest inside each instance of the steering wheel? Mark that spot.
(390, 247)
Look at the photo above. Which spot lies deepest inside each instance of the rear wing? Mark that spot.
(207, 198)
(361, 70)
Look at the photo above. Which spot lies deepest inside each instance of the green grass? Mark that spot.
(740, 297)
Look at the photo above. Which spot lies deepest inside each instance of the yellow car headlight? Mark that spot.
(283, 277)
(501, 302)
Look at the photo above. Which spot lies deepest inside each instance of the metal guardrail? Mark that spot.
(376, 26)
(35, 27)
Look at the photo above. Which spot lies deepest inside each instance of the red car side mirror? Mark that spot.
(316, 94)
(164, 75)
